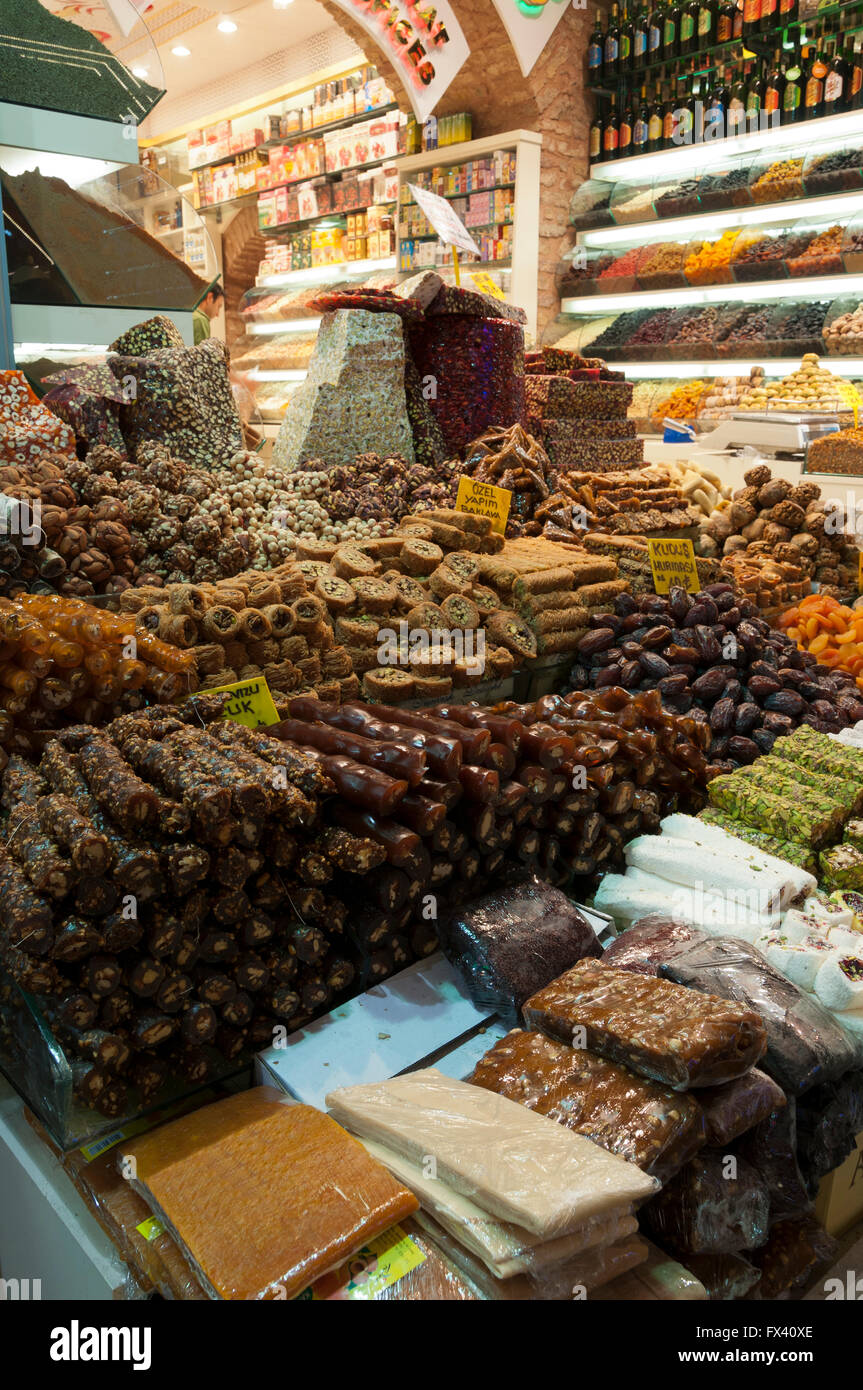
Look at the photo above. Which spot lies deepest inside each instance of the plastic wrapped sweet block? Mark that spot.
(805, 1045)
(725, 1277)
(829, 1118)
(771, 1148)
(126, 1218)
(510, 943)
(717, 1204)
(263, 1195)
(794, 1251)
(667, 1034)
(504, 1248)
(650, 941)
(733, 1109)
(514, 1164)
(401, 1265)
(652, 1126)
(659, 1279)
(435, 1280)
(478, 365)
(574, 1278)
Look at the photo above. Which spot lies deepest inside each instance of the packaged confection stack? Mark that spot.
(578, 409)
(669, 1078)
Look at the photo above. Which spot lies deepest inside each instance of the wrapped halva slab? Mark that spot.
(734, 1108)
(651, 1125)
(650, 941)
(561, 1283)
(510, 943)
(805, 1045)
(667, 1034)
(264, 1196)
(717, 1204)
(514, 1164)
(505, 1249)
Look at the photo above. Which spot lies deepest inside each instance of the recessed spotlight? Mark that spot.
(282, 4)
(226, 26)
(140, 72)
(181, 51)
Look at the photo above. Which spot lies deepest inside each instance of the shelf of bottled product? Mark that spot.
(804, 135)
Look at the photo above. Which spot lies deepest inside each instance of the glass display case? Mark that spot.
(837, 167)
(102, 64)
(47, 1076)
(590, 205)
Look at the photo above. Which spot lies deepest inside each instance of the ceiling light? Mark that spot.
(226, 26)
(282, 4)
(181, 52)
(140, 72)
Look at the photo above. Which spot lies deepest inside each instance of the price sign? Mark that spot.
(449, 228)
(251, 703)
(486, 285)
(484, 499)
(673, 564)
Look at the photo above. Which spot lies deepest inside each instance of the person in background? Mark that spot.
(208, 309)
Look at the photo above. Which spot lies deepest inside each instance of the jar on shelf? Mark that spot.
(632, 202)
(590, 205)
(775, 179)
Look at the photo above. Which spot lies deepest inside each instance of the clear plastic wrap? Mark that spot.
(804, 1044)
(399, 1266)
(771, 1148)
(725, 1277)
(650, 941)
(435, 1280)
(514, 1164)
(795, 1249)
(711, 1207)
(663, 1032)
(505, 1249)
(153, 1253)
(510, 943)
(648, 1124)
(257, 1163)
(563, 1282)
(734, 1108)
(829, 1118)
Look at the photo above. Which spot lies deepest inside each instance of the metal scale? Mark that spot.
(780, 434)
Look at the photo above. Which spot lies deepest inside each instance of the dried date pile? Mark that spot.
(711, 657)
(774, 538)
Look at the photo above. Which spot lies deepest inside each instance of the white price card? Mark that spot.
(449, 228)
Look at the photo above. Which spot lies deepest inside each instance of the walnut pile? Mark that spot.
(770, 519)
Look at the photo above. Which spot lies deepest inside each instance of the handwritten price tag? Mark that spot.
(252, 703)
(448, 226)
(673, 563)
(484, 499)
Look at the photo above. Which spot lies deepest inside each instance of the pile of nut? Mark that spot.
(712, 657)
(273, 509)
(142, 523)
(770, 519)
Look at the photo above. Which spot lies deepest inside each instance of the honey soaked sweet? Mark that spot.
(63, 660)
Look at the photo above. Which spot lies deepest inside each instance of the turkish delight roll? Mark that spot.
(664, 1034)
(788, 818)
